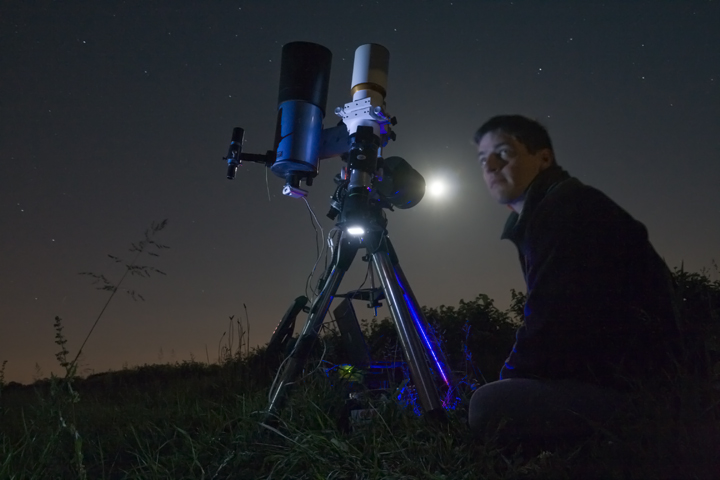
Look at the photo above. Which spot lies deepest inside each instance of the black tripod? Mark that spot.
(423, 358)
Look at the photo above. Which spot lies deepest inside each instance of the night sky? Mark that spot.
(115, 114)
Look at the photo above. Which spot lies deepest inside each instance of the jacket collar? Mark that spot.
(545, 181)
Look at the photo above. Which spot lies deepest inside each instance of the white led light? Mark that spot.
(356, 230)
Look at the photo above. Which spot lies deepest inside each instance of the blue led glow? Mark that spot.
(424, 337)
(447, 403)
(408, 395)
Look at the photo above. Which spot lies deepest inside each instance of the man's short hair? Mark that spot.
(529, 132)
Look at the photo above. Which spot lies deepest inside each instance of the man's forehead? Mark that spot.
(494, 139)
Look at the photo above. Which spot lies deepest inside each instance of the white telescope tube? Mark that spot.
(370, 72)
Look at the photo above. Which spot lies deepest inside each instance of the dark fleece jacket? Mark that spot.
(600, 301)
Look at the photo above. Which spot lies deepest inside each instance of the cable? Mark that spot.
(272, 390)
(330, 243)
(322, 357)
(267, 186)
(314, 220)
(367, 273)
(330, 247)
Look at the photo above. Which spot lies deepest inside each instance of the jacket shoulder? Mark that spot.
(573, 196)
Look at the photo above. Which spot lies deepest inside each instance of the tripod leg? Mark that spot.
(283, 332)
(437, 356)
(292, 366)
(400, 306)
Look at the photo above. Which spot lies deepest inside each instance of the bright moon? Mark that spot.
(437, 188)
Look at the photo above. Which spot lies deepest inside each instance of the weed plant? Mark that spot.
(197, 420)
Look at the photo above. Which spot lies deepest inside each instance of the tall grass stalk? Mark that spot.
(62, 406)
(131, 268)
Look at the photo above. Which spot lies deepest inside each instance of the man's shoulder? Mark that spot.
(573, 196)
(572, 186)
(571, 207)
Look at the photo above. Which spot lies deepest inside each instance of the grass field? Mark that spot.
(198, 420)
(193, 420)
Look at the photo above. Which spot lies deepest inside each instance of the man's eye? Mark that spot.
(505, 154)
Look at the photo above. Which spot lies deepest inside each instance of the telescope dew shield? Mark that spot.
(302, 97)
(370, 72)
(368, 90)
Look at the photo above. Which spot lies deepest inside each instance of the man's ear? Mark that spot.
(546, 158)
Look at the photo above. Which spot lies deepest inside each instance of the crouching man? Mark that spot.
(600, 313)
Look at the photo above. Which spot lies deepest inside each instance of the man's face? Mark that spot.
(508, 167)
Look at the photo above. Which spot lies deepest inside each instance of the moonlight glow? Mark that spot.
(437, 188)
